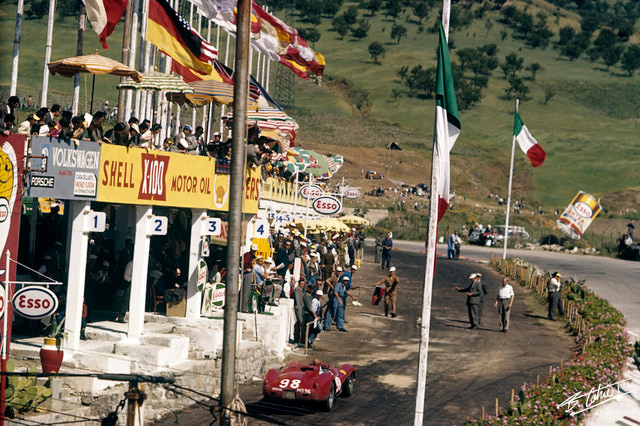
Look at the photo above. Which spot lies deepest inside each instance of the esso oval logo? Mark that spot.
(583, 209)
(327, 205)
(311, 191)
(4, 209)
(35, 302)
(352, 193)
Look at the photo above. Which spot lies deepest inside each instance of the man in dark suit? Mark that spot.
(474, 292)
(483, 293)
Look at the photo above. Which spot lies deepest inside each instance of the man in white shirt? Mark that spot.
(504, 301)
(554, 286)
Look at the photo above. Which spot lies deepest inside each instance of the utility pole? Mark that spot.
(236, 185)
(126, 42)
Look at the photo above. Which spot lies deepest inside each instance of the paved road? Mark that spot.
(467, 369)
(613, 279)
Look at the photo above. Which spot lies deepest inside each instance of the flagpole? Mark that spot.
(506, 224)
(432, 232)
(47, 53)
(16, 49)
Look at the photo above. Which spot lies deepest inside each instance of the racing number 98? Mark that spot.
(295, 383)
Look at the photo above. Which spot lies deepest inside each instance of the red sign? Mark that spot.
(154, 173)
(327, 205)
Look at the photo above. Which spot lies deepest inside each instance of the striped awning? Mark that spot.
(158, 81)
(94, 64)
(207, 91)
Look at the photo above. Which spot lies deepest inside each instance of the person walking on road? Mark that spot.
(387, 245)
(378, 253)
(390, 292)
(453, 246)
(504, 301)
(554, 286)
(473, 291)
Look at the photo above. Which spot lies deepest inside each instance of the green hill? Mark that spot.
(583, 113)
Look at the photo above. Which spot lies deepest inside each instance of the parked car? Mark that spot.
(515, 232)
(372, 174)
(483, 237)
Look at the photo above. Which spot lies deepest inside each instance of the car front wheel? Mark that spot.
(328, 404)
(347, 387)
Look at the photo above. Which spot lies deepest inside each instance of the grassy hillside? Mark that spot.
(589, 127)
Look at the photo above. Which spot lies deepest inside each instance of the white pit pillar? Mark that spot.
(194, 297)
(77, 270)
(137, 302)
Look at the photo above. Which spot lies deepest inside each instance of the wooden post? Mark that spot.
(496, 407)
(482, 415)
(538, 380)
(511, 399)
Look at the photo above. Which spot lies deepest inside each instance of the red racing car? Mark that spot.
(316, 383)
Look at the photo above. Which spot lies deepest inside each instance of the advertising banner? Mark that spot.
(140, 176)
(578, 215)
(11, 171)
(68, 171)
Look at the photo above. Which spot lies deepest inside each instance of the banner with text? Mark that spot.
(65, 170)
(139, 176)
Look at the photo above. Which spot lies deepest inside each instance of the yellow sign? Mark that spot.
(140, 176)
(278, 190)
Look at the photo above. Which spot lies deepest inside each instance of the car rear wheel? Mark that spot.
(347, 386)
(328, 404)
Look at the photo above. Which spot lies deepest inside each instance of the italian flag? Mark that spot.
(447, 122)
(104, 15)
(527, 143)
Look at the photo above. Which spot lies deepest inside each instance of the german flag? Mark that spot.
(173, 35)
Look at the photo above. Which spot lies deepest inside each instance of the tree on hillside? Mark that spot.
(566, 35)
(397, 32)
(517, 89)
(612, 55)
(512, 65)
(419, 80)
(534, 68)
(351, 15)
(631, 59)
(339, 24)
(361, 29)
(488, 24)
(372, 6)
(312, 35)
(331, 7)
(376, 50)
(393, 9)
(421, 9)
(539, 35)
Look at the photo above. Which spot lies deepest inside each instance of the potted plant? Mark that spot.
(51, 352)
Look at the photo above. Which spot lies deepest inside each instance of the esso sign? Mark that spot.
(352, 193)
(311, 191)
(35, 302)
(327, 205)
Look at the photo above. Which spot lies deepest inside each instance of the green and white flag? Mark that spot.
(447, 122)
